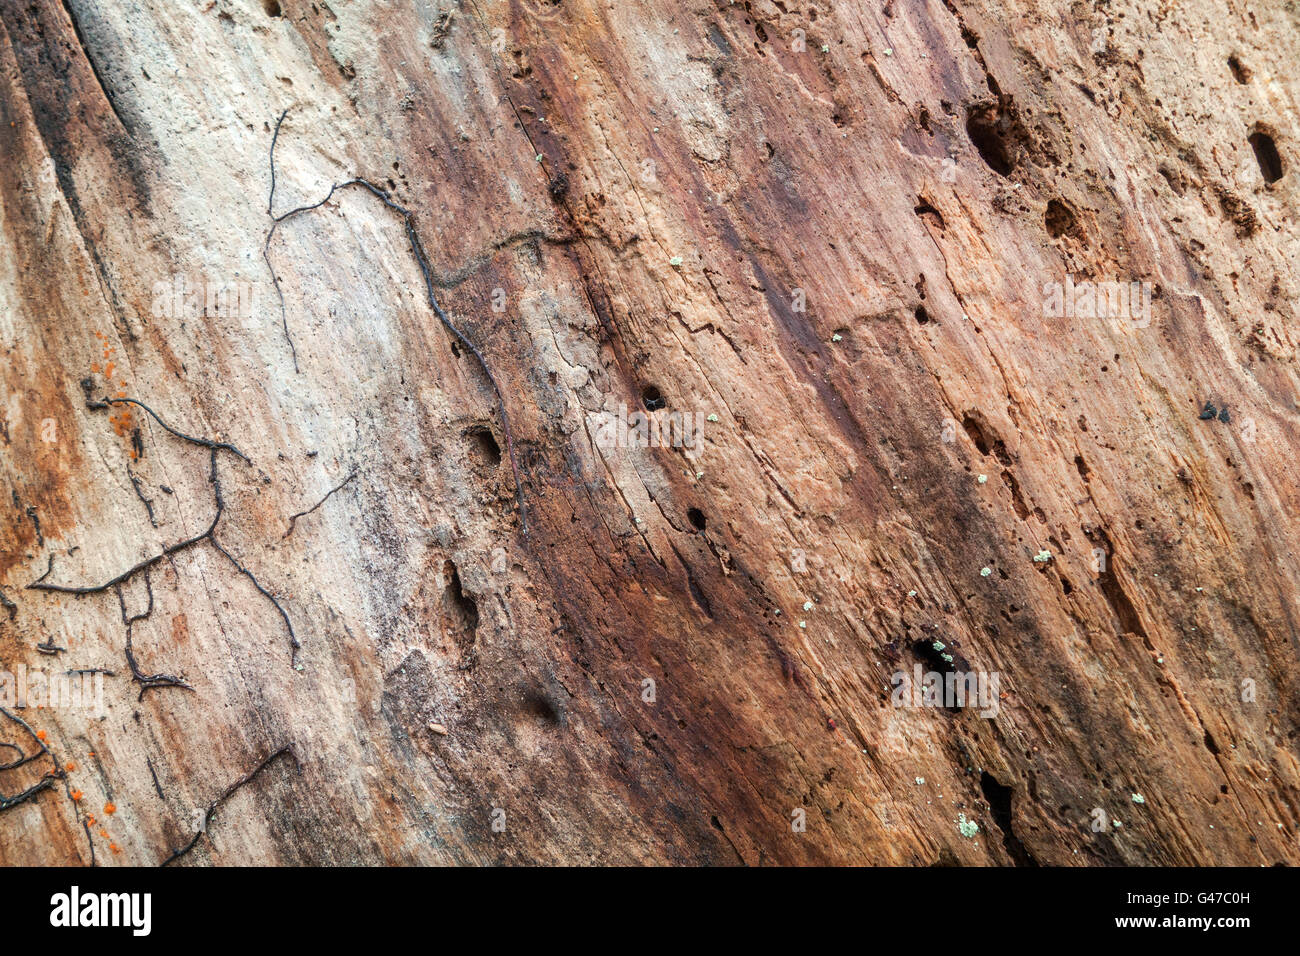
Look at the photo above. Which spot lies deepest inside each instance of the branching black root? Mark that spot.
(203, 442)
(293, 638)
(46, 782)
(302, 514)
(6, 803)
(148, 681)
(227, 794)
(36, 523)
(417, 250)
(135, 483)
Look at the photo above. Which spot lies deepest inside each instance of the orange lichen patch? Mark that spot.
(115, 848)
(103, 833)
(108, 370)
(95, 368)
(123, 422)
(76, 794)
(40, 735)
(90, 820)
(110, 809)
(70, 766)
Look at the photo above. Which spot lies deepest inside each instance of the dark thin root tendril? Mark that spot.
(46, 782)
(417, 249)
(204, 442)
(148, 505)
(227, 794)
(294, 643)
(302, 514)
(148, 681)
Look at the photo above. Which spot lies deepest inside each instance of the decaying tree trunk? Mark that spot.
(364, 582)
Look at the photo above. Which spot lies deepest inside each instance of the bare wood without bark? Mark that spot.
(831, 232)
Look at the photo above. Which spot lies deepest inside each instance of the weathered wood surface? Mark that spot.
(655, 188)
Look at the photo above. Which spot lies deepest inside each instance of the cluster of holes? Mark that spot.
(1060, 219)
(653, 399)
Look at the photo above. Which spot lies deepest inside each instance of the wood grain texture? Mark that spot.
(828, 231)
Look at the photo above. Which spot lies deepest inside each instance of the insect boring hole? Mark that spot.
(653, 399)
(484, 444)
(1266, 154)
(461, 607)
(989, 132)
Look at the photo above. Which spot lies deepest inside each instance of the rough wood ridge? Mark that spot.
(822, 346)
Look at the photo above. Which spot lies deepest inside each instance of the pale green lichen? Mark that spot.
(1043, 556)
(1138, 798)
(985, 572)
(713, 417)
(939, 645)
(807, 605)
(675, 261)
(968, 828)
